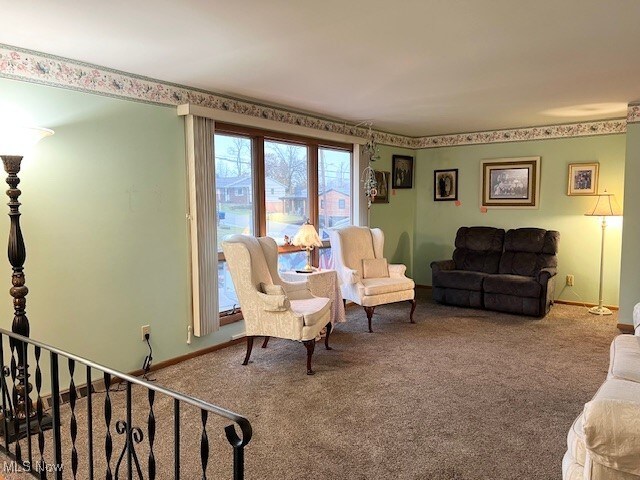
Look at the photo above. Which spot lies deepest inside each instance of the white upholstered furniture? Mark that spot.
(604, 441)
(272, 307)
(352, 248)
(322, 283)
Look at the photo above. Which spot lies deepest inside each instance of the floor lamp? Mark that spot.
(606, 206)
(15, 143)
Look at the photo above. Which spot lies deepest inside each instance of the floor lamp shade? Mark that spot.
(18, 141)
(605, 206)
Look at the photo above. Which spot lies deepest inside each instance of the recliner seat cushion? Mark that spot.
(380, 286)
(312, 310)
(459, 279)
(512, 285)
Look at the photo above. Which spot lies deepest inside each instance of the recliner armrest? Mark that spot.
(545, 274)
(443, 265)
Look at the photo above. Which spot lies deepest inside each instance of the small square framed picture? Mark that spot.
(583, 178)
(445, 185)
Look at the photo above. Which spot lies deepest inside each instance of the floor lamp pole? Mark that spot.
(22, 404)
(600, 309)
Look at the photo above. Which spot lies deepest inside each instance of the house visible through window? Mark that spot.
(303, 179)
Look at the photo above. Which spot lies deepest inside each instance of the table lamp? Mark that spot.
(606, 206)
(308, 238)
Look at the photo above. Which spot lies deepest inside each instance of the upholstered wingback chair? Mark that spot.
(271, 306)
(364, 282)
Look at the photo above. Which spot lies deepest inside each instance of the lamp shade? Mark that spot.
(19, 140)
(606, 206)
(307, 237)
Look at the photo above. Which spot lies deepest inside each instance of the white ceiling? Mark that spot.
(412, 67)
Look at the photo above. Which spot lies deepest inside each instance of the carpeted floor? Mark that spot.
(463, 394)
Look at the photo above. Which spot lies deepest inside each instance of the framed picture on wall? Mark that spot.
(382, 179)
(445, 185)
(402, 171)
(510, 182)
(583, 178)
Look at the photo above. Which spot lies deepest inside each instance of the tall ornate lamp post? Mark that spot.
(15, 143)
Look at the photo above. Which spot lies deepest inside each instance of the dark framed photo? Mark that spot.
(402, 172)
(510, 182)
(445, 185)
(583, 179)
(382, 179)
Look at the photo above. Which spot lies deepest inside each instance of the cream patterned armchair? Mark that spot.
(366, 278)
(272, 307)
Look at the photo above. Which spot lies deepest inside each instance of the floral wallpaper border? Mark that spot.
(633, 114)
(604, 127)
(41, 68)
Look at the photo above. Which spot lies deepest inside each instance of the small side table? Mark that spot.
(322, 283)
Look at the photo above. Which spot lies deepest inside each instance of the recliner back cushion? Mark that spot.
(478, 249)
(528, 250)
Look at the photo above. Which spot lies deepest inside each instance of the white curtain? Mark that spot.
(202, 224)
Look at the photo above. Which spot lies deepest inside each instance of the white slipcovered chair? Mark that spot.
(272, 307)
(350, 247)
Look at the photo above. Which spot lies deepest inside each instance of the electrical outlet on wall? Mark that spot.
(570, 280)
(146, 330)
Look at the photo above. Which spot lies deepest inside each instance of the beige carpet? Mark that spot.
(463, 394)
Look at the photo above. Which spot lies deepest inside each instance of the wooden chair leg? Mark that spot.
(249, 348)
(369, 311)
(413, 308)
(311, 345)
(266, 340)
(326, 338)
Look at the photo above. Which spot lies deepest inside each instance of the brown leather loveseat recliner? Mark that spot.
(510, 272)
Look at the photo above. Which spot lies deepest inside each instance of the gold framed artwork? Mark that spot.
(510, 182)
(583, 179)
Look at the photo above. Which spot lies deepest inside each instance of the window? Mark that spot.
(291, 179)
(287, 165)
(235, 213)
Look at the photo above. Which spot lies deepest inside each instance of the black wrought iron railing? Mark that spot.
(75, 432)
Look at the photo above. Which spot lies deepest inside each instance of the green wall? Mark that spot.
(419, 230)
(630, 278)
(104, 204)
(396, 218)
(437, 222)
